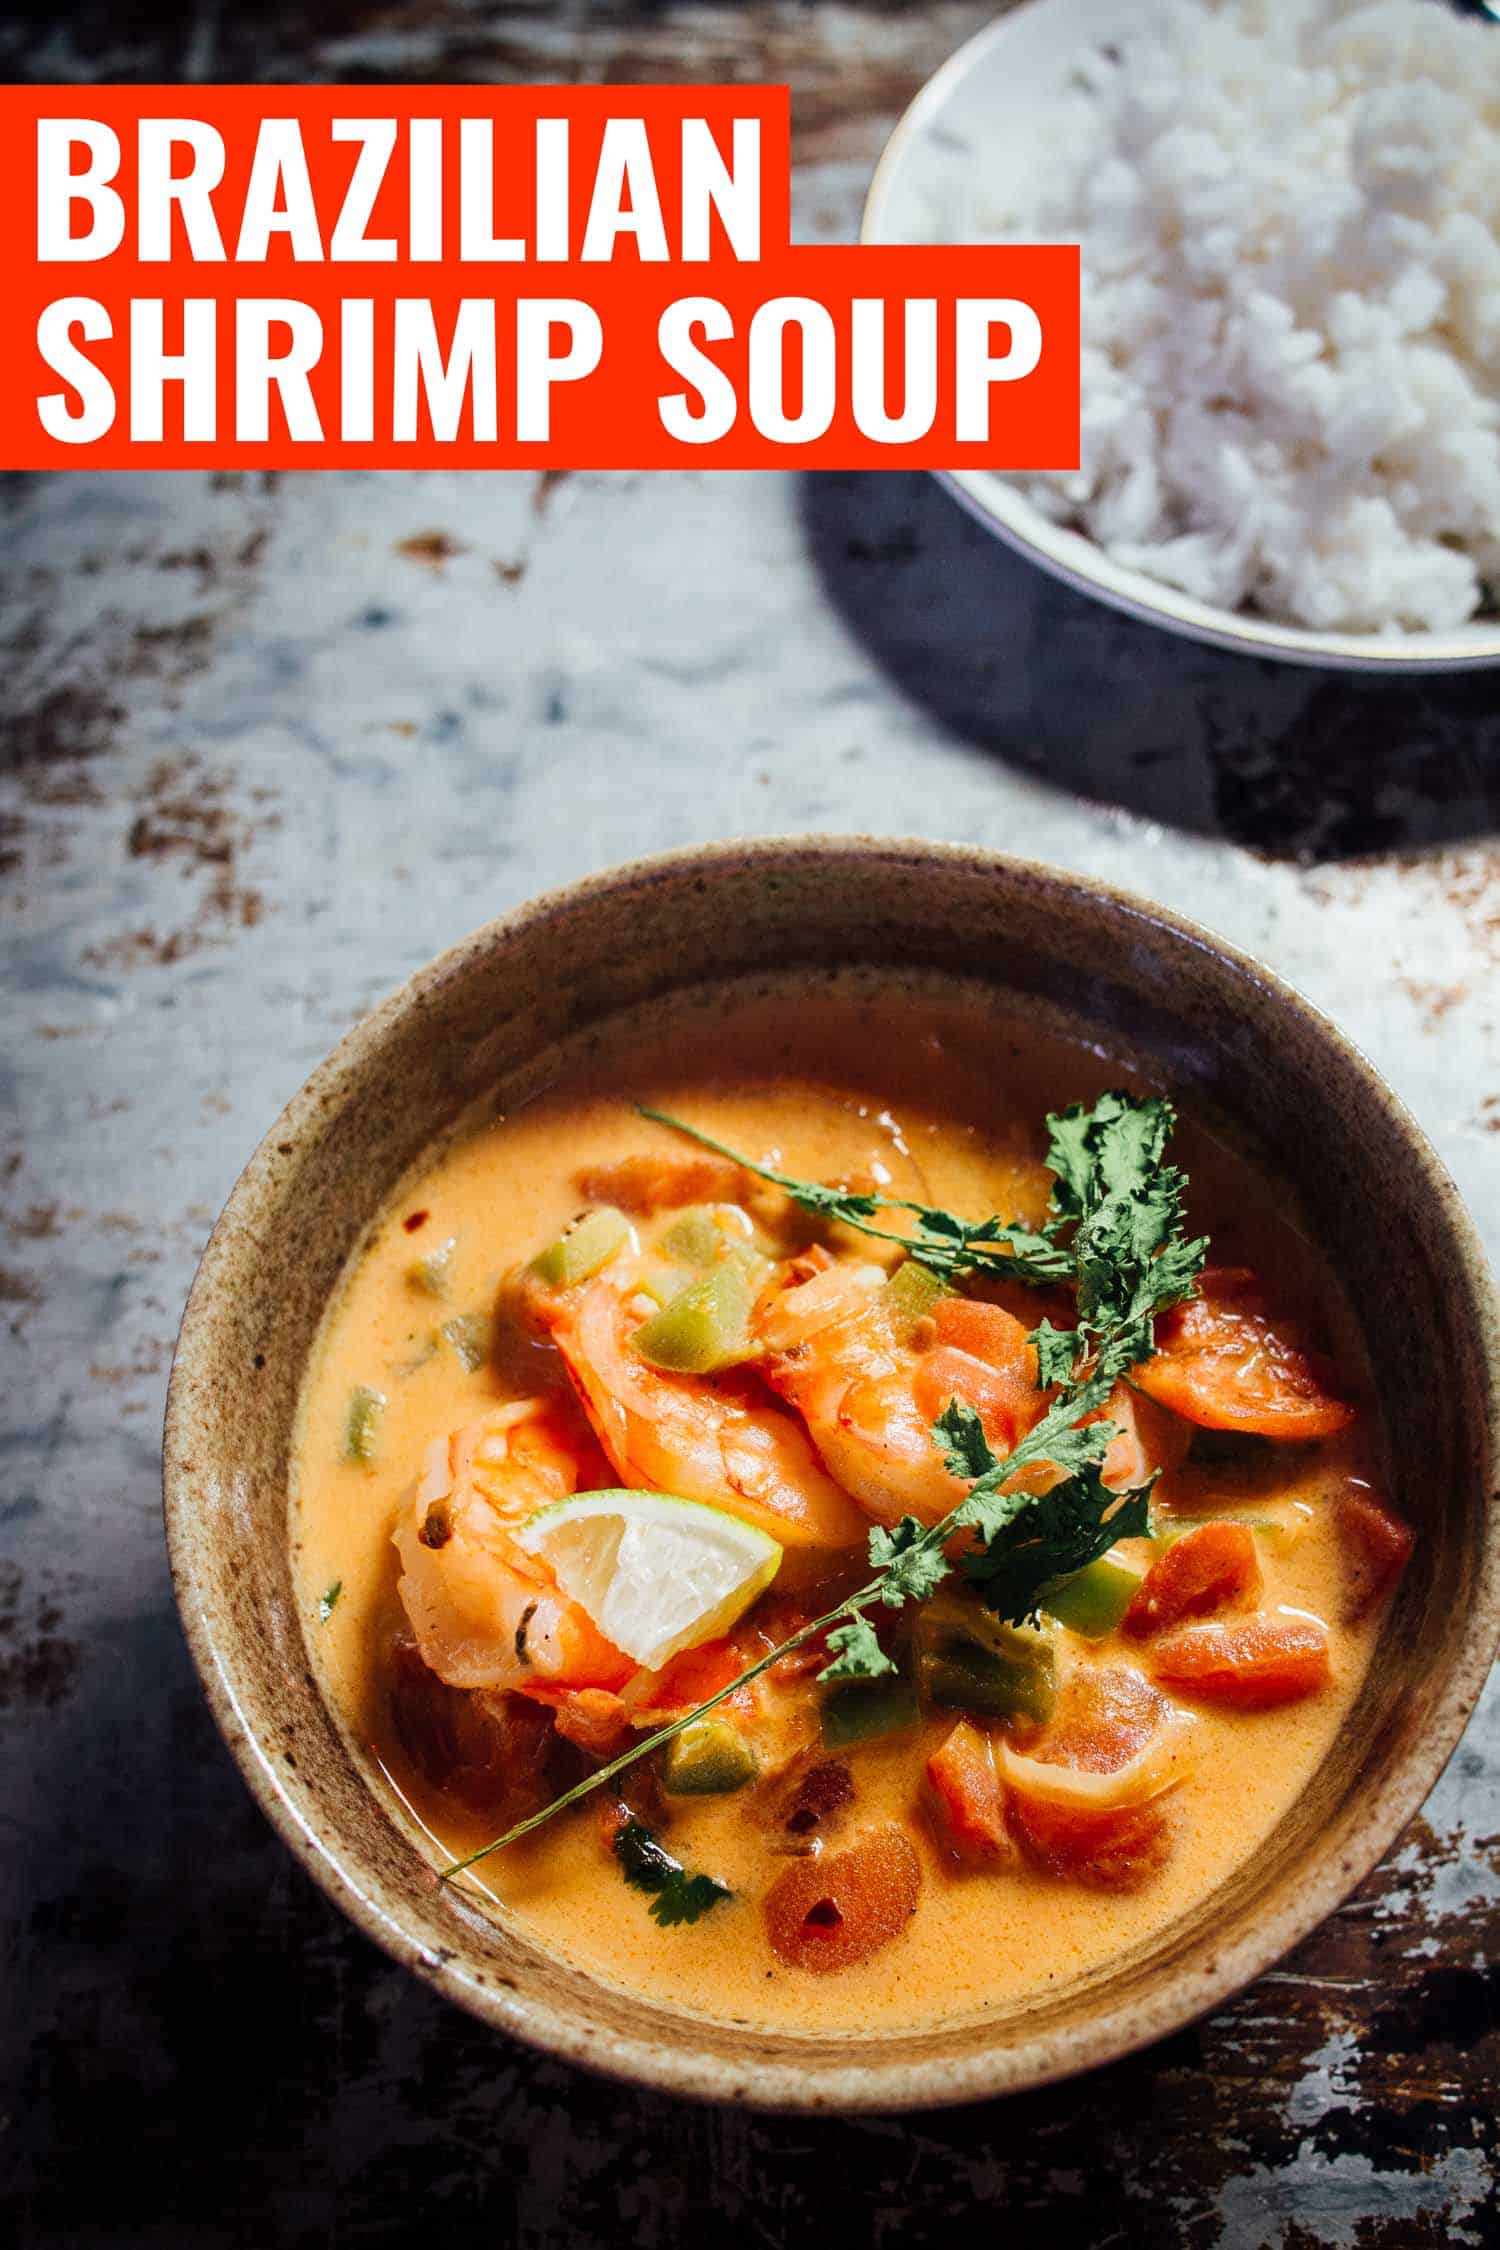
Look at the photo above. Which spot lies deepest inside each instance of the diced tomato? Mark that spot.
(490, 1751)
(982, 1357)
(643, 1184)
(1103, 1719)
(696, 1677)
(696, 1674)
(1213, 1567)
(1375, 1548)
(969, 1801)
(829, 1913)
(1224, 1362)
(1105, 1716)
(1107, 1851)
(1252, 1666)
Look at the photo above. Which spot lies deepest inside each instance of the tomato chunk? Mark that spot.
(695, 1675)
(968, 1798)
(1224, 1362)
(1251, 1666)
(643, 1184)
(1375, 1546)
(1212, 1567)
(1106, 1851)
(1103, 1720)
(827, 1914)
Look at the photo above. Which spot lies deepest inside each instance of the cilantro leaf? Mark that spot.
(858, 1655)
(992, 1502)
(960, 1435)
(1114, 1148)
(678, 1896)
(1056, 1353)
(911, 1561)
(686, 1898)
(328, 1602)
(1061, 1533)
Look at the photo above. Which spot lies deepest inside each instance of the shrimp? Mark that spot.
(485, 1614)
(719, 1439)
(869, 1397)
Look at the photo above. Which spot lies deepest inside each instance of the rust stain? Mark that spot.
(47, 741)
(187, 815)
(171, 652)
(432, 548)
(35, 1224)
(1434, 1000)
(547, 483)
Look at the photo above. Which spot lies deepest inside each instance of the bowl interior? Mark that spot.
(1241, 1051)
(965, 144)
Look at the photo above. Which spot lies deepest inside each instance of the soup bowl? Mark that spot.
(1243, 1052)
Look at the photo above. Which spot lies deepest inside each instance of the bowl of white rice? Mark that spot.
(1289, 217)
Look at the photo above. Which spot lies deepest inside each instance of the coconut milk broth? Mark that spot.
(940, 1093)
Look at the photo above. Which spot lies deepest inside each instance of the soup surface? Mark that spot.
(1008, 1805)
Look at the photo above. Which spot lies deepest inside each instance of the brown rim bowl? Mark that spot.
(1241, 1050)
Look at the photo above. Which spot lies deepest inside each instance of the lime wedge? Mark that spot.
(654, 1573)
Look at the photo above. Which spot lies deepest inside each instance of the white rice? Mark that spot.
(1290, 219)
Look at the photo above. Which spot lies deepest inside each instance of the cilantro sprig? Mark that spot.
(937, 1239)
(1115, 1229)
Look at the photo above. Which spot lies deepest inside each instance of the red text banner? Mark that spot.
(555, 277)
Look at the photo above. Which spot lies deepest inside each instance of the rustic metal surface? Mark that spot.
(268, 744)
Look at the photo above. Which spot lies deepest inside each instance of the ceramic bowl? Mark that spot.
(1242, 1051)
(968, 137)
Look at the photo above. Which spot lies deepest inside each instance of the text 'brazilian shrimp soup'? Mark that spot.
(1077, 1529)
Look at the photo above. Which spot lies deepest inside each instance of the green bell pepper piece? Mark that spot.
(468, 1335)
(582, 1248)
(706, 1326)
(708, 1759)
(362, 1423)
(910, 1295)
(970, 1660)
(694, 1236)
(1093, 1601)
(430, 1274)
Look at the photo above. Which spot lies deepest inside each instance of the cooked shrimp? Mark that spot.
(485, 1614)
(719, 1438)
(869, 1397)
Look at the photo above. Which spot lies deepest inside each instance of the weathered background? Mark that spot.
(269, 744)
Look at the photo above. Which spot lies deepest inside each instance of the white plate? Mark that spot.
(969, 133)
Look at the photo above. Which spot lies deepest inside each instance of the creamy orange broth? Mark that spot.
(938, 1094)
